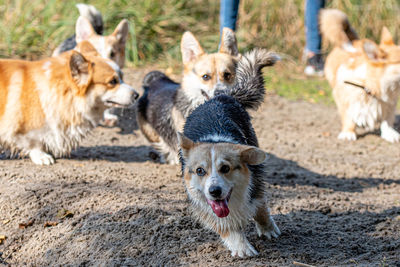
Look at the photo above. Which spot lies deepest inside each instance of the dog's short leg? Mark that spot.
(388, 133)
(147, 130)
(40, 157)
(348, 129)
(265, 224)
(238, 244)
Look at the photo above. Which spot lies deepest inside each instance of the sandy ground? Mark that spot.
(336, 203)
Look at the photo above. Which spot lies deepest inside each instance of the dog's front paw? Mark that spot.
(238, 244)
(244, 250)
(348, 136)
(41, 158)
(389, 134)
(270, 230)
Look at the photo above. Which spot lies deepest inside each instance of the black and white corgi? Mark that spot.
(222, 166)
(165, 104)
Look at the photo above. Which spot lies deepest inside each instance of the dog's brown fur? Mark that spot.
(47, 106)
(374, 68)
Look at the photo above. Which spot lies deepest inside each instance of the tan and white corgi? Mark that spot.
(365, 77)
(222, 167)
(89, 27)
(48, 106)
(165, 104)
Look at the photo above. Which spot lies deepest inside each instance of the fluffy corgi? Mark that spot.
(365, 77)
(48, 106)
(89, 27)
(222, 166)
(165, 104)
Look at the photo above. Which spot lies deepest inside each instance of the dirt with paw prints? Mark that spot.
(110, 204)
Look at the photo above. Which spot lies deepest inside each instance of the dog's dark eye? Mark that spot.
(206, 77)
(112, 54)
(113, 81)
(227, 76)
(200, 171)
(225, 169)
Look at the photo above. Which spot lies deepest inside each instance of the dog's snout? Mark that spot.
(215, 191)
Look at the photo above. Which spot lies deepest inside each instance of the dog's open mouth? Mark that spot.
(220, 207)
(113, 104)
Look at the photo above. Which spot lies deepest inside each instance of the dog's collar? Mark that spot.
(366, 90)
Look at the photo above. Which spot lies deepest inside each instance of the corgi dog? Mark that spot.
(48, 106)
(89, 27)
(365, 77)
(222, 166)
(163, 107)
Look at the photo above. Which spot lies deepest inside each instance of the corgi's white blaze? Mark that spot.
(216, 180)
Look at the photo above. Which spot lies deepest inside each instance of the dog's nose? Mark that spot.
(215, 191)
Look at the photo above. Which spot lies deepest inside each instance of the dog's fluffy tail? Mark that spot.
(93, 15)
(336, 28)
(249, 89)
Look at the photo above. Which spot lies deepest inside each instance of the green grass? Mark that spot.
(296, 87)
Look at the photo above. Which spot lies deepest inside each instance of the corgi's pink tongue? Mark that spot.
(220, 207)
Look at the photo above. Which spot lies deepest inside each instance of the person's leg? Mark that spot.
(228, 14)
(313, 37)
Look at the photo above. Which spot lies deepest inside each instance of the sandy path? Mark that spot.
(337, 203)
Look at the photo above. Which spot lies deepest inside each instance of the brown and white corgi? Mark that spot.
(365, 77)
(165, 104)
(48, 106)
(222, 167)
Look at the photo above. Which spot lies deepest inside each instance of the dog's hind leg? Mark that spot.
(265, 224)
(167, 154)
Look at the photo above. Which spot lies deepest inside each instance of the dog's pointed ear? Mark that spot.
(121, 31)
(252, 155)
(185, 144)
(87, 49)
(83, 29)
(81, 72)
(190, 48)
(228, 43)
(386, 37)
(93, 15)
(372, 51)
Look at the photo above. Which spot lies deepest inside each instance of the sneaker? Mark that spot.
(314, 66)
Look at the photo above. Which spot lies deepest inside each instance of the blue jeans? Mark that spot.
(228, 14)
(313, 36)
